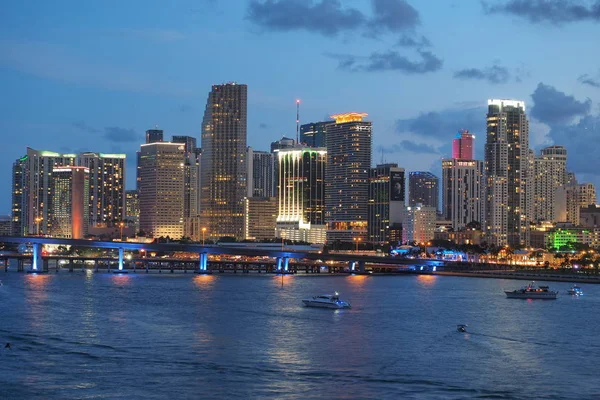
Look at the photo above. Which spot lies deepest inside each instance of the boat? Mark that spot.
(461, 328)
(575, 291)
(532, 292)
(326, 301)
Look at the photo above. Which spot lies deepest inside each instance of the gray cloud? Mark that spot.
(588, 80)
(262, 125)
(577, 139)
(393, 16)
(554, 107)
(552, 11)
(412, 41)
(116, 134)
(85, 128)
(327, 17)
(494, 74)
(390, 61)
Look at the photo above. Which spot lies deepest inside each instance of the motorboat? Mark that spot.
(532, 292)
(575, 291)
(461, 328)
(326, 301)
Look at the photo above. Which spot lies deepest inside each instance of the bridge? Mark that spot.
(356, 262)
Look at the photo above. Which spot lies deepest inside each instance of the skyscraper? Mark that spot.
(162, 186)
(154, 135)
(71, 200)
(349, 145)
(423, 188)
(462, 146)
(132, 208)
(261, 173)
(418, 224)
(507, 158)
(301, 200)
(191, 172)
(223, 165)
(314, 134)
(107, 187)
(386, 200)
(463, 191)
(550, 174)
(260, 216)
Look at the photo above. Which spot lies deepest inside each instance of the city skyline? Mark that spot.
(141, 80)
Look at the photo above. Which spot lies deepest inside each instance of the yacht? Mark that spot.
(575, 291)
(532, 292)
(326, 301)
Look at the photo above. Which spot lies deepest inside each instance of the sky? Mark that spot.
(94, 75)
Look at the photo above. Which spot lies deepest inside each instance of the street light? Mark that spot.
(357, 240)
(203, 232)
(37, 221)
(121, 225)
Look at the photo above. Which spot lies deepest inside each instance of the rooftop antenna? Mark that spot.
(297, 121)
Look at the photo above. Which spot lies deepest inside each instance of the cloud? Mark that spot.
(390, 61)
(411, 41)
(554, 107)
(116, 134)
(85, 128)
(262, 125)
(577, 138)
(551, 11)
(494, 74)
(393, 16)
(588, 80)
(327, 17)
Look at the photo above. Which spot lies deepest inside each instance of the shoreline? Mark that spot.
(521, 276)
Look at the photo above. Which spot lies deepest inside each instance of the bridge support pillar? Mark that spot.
(352, 266)
(283, 264)
(203, 264)
(120, 270)
(361, 267)
(37, 264)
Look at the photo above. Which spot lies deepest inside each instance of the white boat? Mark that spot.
(326, 301)
(575, 291)
(532, 292)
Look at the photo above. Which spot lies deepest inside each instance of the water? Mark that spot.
(104, 336)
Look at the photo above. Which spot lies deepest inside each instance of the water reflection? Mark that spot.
(282, 280)
(358, 282)
(121, 279)
(204, 281)
(36, 295)
(427, 280)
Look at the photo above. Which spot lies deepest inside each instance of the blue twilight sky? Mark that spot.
(94, 75)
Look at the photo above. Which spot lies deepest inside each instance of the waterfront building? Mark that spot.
(423, 188)
(461, 236)
(154, 135)
(386, 200)
(107, 187)
(574, 197)
(507, 167)
(5, 225)
(162, 187)
(418, 224)
(70, 216)
(463, 191)
(301, 199)
(462, 146)
(589, 216)
(132, 208)
(314, 134)
(564, 236)
(550, 174)
(349, 145)
(191, 176)
(261, 173)
(32, 201)
(223, 164)
(260, 216)
(283, 143)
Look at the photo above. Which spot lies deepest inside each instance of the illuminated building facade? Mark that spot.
(507, 158)
(301, 199)
(550, 174)
(463, 192)
(223, 164)
(191, 176)
(462, 146)
(314, 134)
(423, 188)
(574, 197)
(418, 224)
(162, 186)
(132, 208)
(386, 200)
(70, 202)
(107, 187)
(32, 202)
(349, 145)
(260, 216)
(261, 173)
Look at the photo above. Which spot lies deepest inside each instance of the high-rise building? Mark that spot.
(259, 218)
(261, 173)
(574, 197)
(550, 174)
(107, 187)
(191, 173)
(70, 202)
(301, 200)
(154, 135)
(162, 187)
(223, 164)
(463, 191)
(423, 188)
(462, 146)
(283, 143)
(507, 159)
(418, 224)
(132, 208)
(314, 134)
(349, 145)
(32, 190)
(386, 200)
